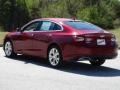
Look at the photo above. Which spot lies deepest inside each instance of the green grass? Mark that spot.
(2, 35)
(116, 32)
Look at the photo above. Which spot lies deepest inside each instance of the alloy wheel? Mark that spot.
(8, 48)
(54, 57)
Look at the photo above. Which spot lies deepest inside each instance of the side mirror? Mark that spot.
(17, 29)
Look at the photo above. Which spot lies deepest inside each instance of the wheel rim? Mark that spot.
(8, 49)
(54, 57)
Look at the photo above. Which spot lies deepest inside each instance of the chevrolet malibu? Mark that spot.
(61, 39)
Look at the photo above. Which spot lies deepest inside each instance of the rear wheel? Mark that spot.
(54, 56)
(8, 49)
(97, 62)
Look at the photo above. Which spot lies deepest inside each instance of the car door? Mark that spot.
(43, 36)
(24, 38)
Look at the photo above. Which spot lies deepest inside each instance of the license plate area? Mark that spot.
(101, 42)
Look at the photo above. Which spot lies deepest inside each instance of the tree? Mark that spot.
(15, 14)
(104, 13)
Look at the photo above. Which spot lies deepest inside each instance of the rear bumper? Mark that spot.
(74, 53)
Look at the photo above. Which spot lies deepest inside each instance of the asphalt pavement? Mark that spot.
(29, 73)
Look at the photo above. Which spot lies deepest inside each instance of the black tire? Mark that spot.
(55, 61)
(97, 62)
(9, 49)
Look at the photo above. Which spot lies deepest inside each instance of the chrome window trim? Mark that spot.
(42, 31)
(45, 31)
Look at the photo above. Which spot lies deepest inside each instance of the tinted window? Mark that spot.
(55, 26)
(47, 25)
(31, 27)
(81, 25)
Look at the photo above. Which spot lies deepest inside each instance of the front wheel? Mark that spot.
(55, 56)
(97, 62)
(8, 49)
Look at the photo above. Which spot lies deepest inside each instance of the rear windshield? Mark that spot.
(81, 25)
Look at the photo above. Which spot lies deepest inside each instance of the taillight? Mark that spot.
(79, 39)
(88, 39)
(113, 39)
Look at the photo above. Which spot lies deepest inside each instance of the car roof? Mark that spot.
(55, 19)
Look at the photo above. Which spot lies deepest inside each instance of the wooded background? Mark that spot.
(15, 13)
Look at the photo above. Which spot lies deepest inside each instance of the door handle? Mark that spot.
(50, 35)
(32, 35)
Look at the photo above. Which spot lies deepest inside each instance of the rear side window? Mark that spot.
(81, 25)
(45, 26)
(49, 26)
(55, 26)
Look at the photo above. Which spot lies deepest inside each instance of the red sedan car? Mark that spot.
(61, 39)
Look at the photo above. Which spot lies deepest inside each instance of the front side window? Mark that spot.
(81, 25)
(31, 27)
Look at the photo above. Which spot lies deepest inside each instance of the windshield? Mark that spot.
(81, 25)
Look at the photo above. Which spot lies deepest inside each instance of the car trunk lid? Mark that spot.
(97, 38)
